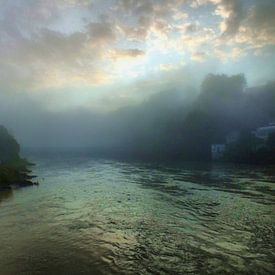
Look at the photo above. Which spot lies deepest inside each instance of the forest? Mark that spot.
(169, 127)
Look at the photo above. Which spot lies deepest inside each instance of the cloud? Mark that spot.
(254, 27)
(232, 12)
(258, 29)
(191, 28)
(199, 56)
(101, 32)
(36, 55)
(229, 54)
(51, 59)
(54, 44)
(245, 26)
(126, 54)
(42, 57)
(198, 41)
(154, 18)
(169, 67)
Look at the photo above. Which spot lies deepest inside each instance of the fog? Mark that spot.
(160, 79)
(137, 136)
(35, 126)
(169, 124)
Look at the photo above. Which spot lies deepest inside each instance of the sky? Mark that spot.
(105, 54)
(65, 65)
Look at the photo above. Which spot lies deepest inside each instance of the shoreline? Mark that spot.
(16, 174)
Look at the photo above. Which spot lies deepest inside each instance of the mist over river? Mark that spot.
(98, 216)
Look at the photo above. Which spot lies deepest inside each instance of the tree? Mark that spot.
(9, 148)
(223, 86)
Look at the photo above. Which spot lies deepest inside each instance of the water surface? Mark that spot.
(96, 216)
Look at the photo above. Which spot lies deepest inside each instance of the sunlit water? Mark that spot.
(91, 216)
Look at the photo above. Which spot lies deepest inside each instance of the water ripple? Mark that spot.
(106, 217)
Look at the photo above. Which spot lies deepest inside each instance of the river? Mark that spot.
(98, 216)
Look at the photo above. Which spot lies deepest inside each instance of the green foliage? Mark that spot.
(13, 169)
(9, 148)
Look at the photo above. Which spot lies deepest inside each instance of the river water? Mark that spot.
(96, 216)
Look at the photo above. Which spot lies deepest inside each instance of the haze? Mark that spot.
(93, 73)
(137, 137)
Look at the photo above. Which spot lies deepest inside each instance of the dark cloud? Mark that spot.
(249, 23)
(260, 24)
(233, 12)
(101, 32)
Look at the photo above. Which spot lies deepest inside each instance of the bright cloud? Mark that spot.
(59, 44)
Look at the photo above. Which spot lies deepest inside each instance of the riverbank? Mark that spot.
(16, 174)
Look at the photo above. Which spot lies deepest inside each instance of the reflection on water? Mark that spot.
(101, 217)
